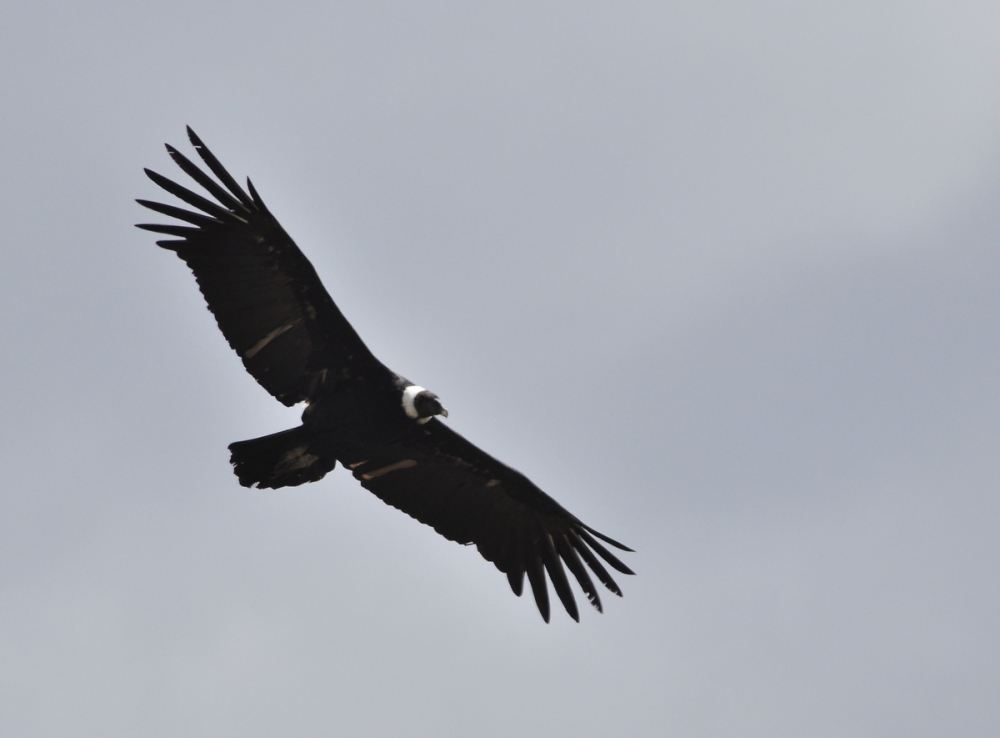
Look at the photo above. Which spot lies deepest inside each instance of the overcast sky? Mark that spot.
(722, 278)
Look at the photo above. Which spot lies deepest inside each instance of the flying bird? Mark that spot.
(275, 313)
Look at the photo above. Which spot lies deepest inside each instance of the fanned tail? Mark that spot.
(286, 459)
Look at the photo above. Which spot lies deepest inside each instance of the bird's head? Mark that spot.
(421, 404)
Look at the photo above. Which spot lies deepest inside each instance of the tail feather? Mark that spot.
(286, 459)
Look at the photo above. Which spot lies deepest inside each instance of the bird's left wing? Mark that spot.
(264, 293)
(438, 477)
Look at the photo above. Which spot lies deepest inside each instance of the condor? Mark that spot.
(292, 338)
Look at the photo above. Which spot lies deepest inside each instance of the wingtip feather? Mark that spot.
(536, 576)
(217, 169)
(594, 563)
(605, 554)
(255, 196)
(557, 574)
(569, 555)
(516, 581)
(608, 539)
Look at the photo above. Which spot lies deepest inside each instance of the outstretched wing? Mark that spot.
(264, 293)
(439, 478)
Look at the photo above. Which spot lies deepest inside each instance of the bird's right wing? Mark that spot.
(438, 477)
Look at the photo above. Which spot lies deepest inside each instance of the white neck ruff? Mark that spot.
(408, 396)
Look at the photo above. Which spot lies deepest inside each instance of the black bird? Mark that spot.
(292, 338)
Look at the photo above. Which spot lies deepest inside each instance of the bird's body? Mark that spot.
(292, 338)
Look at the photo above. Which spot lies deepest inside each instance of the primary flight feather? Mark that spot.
(292, 338)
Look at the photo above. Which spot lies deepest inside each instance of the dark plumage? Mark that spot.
(292, 338)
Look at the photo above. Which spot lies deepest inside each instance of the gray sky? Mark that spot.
(722, 278)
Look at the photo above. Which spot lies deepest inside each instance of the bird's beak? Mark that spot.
(444, 411)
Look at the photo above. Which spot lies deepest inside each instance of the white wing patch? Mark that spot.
(404, 464)
(259, 346)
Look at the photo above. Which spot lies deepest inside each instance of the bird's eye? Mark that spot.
(428, 404)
